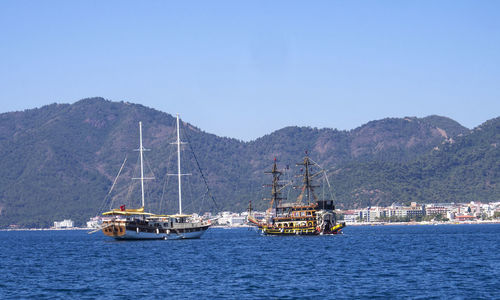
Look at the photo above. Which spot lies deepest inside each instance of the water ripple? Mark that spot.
(383, 262)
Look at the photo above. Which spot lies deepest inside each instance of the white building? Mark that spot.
(63, 224)
(231, 219)
(351, 216)
(371, 214)
(94, 222)
(237, 220)
(224, 218)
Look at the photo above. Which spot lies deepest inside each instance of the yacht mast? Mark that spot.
(142, 168)
(179, 165)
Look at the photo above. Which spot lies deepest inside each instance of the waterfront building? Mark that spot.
(396, 210)
(231, 219)
(94, 222)
(415, 211)
(224, 217)
(465, 218)
(460, 211)
(437, 209)
(490, 209)
(63, 224)
(364, 215)
(350, 216)
(237, 220)
(371, 214)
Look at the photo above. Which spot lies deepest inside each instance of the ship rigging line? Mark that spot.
(131, 186)
(113, 185)
(201, 172)
(326, 178)
(165, 182)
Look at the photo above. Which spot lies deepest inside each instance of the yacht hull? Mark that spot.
(134, 231)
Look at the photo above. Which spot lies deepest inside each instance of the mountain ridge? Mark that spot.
(431, 119)
(65, 157)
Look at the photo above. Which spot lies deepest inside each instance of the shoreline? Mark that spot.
(250, 226)
(46, 229)
(227, 226)
(421, 223)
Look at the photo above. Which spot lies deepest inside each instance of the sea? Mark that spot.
(366, 262)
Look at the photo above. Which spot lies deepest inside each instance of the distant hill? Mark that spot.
(450, 127)
(59, 161)
(462, 169)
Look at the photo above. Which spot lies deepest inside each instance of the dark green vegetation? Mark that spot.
(462, 169)
(60, 161)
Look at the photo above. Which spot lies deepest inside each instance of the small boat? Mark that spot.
(136, 224)
(309, 215)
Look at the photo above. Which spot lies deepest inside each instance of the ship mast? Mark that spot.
(276, 187)
(179, 165)
(141, 149)
(307, 186)
(141, 156)
(179, 174)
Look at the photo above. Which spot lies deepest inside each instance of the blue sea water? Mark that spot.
(386, 262)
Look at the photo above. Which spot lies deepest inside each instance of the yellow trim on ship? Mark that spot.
(127, 212)
(140, 211)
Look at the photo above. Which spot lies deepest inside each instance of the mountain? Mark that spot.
(448, 126)
(390, 139)
(462, 169)
(60, 161)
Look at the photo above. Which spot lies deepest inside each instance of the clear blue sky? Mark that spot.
(246, 68)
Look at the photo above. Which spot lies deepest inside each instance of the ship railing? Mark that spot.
(189, 225)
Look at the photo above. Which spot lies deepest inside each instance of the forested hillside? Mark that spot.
(59, 161)
(466, 169)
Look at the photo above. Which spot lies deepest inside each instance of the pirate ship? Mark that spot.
(308, 215)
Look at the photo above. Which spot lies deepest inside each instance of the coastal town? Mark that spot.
(415, 213)
(433, 213)
(395, 214)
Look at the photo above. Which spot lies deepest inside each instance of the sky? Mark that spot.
(243, 69)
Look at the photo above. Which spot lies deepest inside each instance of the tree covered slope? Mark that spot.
(59, 161)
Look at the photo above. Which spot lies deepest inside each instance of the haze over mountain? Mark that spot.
(59, 161)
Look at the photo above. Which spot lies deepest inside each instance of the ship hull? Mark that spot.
(133, 235)
(121, 230)
(186, 235)
(271, 230)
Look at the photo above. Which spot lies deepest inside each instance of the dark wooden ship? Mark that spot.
(136, 224)
(309, 215)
